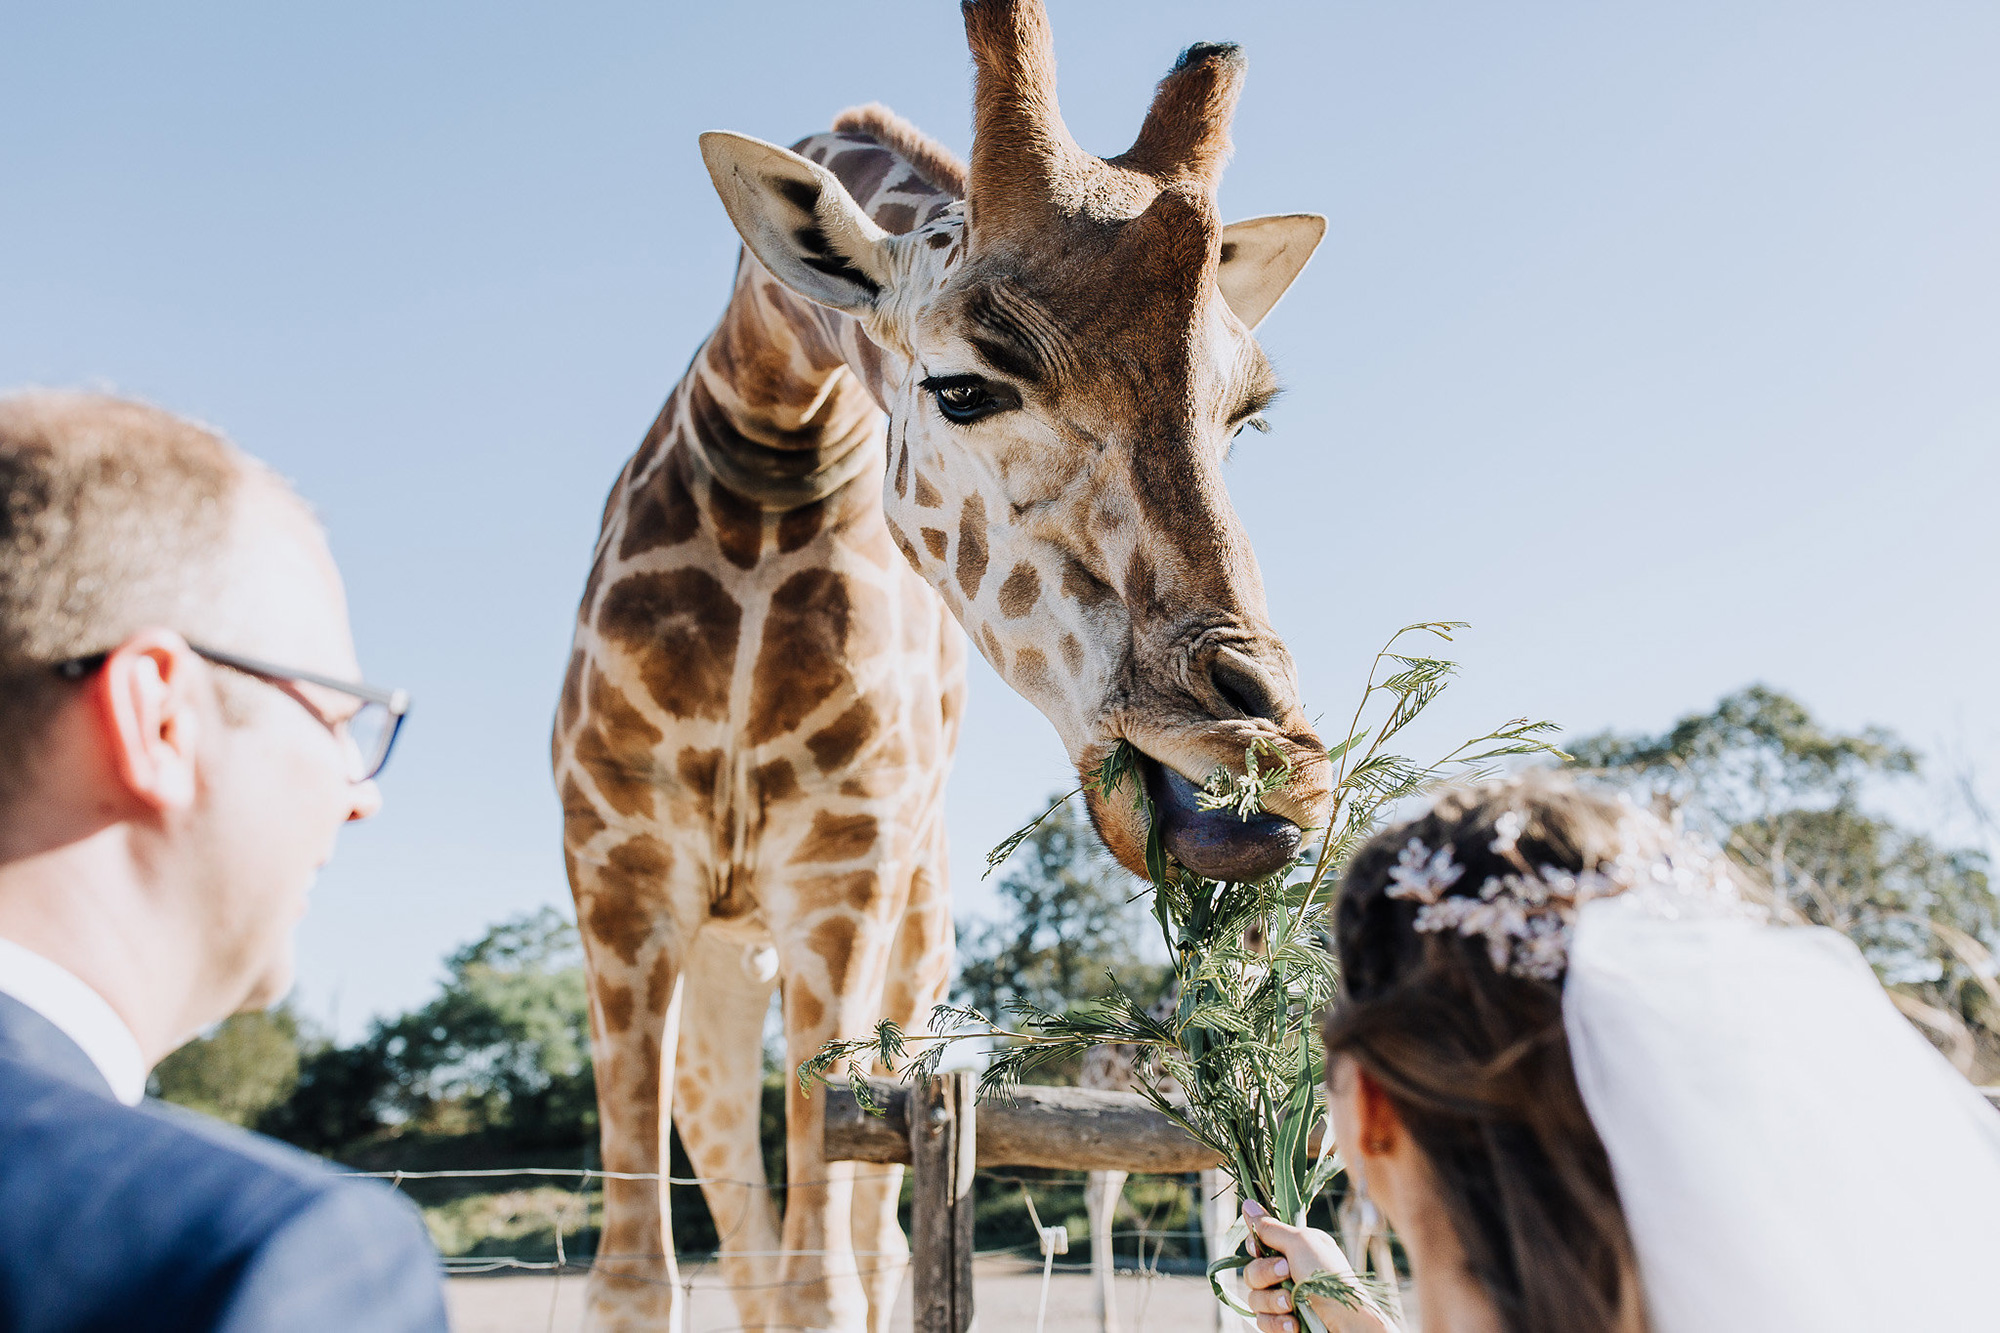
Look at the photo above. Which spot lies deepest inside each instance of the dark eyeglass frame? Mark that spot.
(396, 702)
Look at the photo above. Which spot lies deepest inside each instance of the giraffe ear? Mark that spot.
(1261, 256)
(799, 221)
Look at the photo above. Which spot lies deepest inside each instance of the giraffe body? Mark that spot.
(761, 706)
(751, 748)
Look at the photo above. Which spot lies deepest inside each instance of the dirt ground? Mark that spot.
(1006, 1292)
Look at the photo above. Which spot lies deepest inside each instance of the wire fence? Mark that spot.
(571, 1218)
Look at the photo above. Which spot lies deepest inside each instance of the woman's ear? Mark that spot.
(1379, 1126)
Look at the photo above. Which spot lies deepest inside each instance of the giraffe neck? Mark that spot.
(786, 396)
(779, 417)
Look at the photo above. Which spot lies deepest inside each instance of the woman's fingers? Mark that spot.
(1277, 1323)
(1266, 1272)
(1269, 1300)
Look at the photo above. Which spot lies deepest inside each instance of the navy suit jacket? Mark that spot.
(148, 1219)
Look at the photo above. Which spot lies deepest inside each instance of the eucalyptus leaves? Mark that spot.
(1250, 964)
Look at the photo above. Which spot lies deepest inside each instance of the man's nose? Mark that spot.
(365, 799)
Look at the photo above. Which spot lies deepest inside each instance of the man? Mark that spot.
(181, 738)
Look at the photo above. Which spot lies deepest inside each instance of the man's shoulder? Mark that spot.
(150, 1204)
(49, 1126)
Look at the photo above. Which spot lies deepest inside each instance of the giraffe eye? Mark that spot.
(964, 399)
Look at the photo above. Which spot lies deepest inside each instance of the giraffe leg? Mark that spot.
(833, 959)
(1101, 1201)
(718, 1082)
(919, 969)
(635, 991)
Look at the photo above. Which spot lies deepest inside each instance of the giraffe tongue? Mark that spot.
(1216, 844)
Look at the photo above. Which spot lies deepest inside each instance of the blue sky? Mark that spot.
(1659, 342)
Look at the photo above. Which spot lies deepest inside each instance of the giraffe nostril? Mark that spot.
(1245, 688)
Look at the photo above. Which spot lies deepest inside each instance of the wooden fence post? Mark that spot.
(943, 1146)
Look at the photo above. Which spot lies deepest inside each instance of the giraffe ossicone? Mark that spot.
(997, 398)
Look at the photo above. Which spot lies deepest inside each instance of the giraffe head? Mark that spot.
(1069, 358)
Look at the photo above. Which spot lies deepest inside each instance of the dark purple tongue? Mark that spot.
(1216, 844)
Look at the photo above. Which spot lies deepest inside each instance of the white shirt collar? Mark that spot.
(65, 1000)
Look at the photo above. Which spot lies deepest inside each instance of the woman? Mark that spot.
(1595, 1091)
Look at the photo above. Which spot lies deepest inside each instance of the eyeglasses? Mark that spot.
(369, 733)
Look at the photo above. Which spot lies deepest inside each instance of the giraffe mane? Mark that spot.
(930, 159)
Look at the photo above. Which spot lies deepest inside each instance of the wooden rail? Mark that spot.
(1072, 1129)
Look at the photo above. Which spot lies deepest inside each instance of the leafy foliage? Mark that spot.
(1066, 918)
(1763, 778)
(1247, 960)
(239, 1071)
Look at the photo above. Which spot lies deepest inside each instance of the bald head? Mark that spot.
(114, 516)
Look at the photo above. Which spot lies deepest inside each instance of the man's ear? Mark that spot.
(1261, 256)
(144, 695)
(799, 221)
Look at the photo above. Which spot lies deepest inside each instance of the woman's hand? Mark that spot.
(1297, 1253)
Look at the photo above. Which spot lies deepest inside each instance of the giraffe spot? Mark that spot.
(618, 916)
(804, 654)
(862, 170)
(803, 1011)
(662, 514)
(939, 240)
(833, 940)
(615, 748)
(857, 787)
(994, 652)
(739, 526)
(927, 494)
(1079, 584)
(903, 467)
(972, 545)
(870, 370)
(660, 984)
(840, 740)
(858, 889)
(801, 525)
(1072, 653)
(896, 218)
(934, 541)
(581, 822)
(682, 626)
(903, 544)
(773, 782)
(1019, 592)
(590, 585)
(1141, 583)
(697, 770)
(572, 690)
(836, 838)
(1031, 672)
(616, 1001)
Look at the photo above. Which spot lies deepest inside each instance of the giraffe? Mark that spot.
(996, 398)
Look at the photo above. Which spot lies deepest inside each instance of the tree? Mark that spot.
(1067, 918)
(507, 1043)
(1762, 778)
(246, 1065)
(504, 1048)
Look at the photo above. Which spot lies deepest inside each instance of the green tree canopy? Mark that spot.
(1786, 797)
(1067, 918)
(245, 1066)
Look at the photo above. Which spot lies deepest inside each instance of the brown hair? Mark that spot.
(1476, 1062)
(114, 516)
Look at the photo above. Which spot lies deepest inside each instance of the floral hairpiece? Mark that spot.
(1527, 916)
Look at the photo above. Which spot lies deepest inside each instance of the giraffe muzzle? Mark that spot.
(1216, 844)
